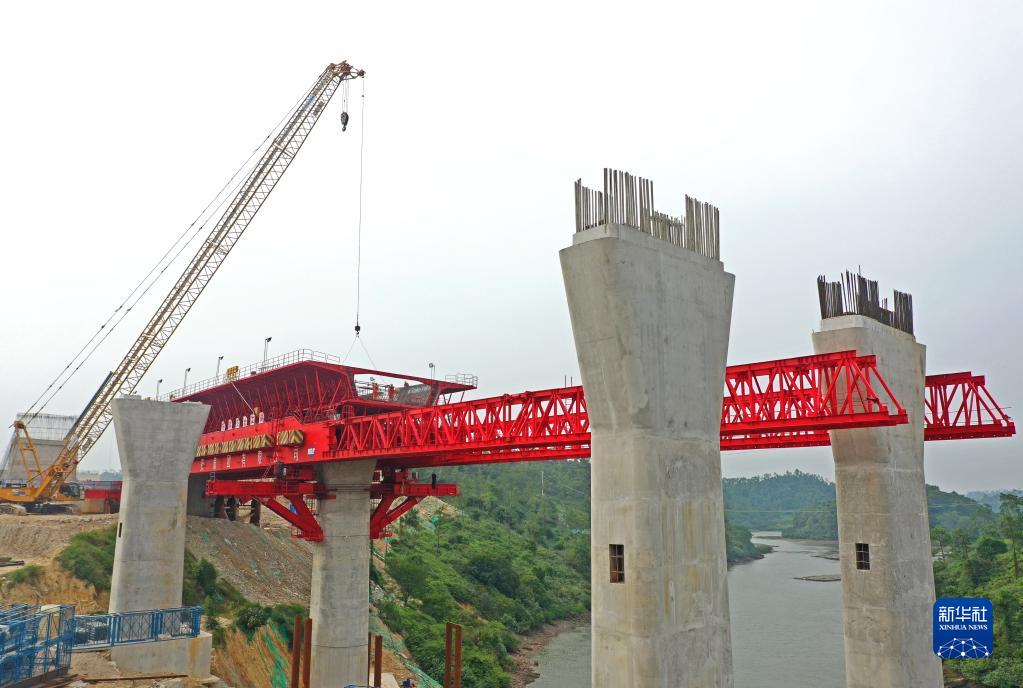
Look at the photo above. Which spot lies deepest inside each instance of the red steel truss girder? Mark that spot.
(836, 390)
(827, 391)
(531, 420)
(553, 424)
(959, 406)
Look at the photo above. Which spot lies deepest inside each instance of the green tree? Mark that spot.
(943, 538)
(411, 573)
(1011, 522)
(961, 544)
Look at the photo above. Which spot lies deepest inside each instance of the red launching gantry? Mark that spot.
(271, 423)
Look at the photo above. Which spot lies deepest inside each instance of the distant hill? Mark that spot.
(769, 502)
(802, 505)
(990, 497)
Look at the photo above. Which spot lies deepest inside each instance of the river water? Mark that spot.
(786, 633)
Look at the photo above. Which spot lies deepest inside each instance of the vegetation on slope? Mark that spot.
(989, 565)
(90, 556)
(768, 502)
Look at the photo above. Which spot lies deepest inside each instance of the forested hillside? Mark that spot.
(989, 565)
(768, 502)
(802, 505)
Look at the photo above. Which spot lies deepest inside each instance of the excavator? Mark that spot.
(48, 489)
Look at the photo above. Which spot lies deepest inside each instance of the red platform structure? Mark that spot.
(273, 422)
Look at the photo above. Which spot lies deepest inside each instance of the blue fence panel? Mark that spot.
(98, 631)
(34, 641)
(93, 630)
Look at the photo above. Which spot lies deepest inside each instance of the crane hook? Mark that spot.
(344, 121)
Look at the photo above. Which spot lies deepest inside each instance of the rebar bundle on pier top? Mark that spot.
(629, 200)
(854, 294)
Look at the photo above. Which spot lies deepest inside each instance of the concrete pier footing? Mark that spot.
(339, 604)
(156, 442)
(883, 531)
(651, 323)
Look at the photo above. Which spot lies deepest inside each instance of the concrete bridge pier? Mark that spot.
(883, 531)
(339, 604)
(156, 441)
(651, 322)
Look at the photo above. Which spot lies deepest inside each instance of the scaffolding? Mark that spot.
(48, 430)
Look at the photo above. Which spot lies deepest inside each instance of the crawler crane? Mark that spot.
(46, 487)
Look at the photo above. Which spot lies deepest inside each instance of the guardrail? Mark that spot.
(34, 642)
(99, 631)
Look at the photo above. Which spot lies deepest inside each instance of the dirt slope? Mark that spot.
(267, 565)
(37, 539)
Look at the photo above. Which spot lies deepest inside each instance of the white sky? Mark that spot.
(830, 135)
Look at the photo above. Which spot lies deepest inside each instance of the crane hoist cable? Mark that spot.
(358, 232)
(196, 226)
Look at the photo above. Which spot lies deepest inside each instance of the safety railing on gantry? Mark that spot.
(99, 631)
(35, 642)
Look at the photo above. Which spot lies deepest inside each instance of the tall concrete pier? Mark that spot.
(156, 441)
(339, 606)
(651, 309)
(883, 531)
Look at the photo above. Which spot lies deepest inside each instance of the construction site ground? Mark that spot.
(266, 564)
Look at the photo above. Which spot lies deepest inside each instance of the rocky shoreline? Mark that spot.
(530, 645)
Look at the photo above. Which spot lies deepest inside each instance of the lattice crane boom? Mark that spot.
(251, 195)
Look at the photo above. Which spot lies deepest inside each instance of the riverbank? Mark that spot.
(531, 645)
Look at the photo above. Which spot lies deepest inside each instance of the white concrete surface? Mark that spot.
(651, 324)
(191, 656)
(156, 441)
(882, 502)
(339, 605)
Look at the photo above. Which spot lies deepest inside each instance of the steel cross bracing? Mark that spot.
(959, 406)
(211, 254)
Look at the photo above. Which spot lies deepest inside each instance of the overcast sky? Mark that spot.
(830, 135)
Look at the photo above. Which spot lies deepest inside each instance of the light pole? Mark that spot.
(219, 359)
(158, 388)
(266, 348)
(185, 383)
(433, 371)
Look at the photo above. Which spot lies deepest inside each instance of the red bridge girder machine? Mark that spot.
(272, 423)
